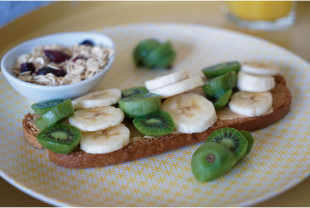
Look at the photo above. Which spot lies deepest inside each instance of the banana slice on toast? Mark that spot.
(97, 99)
(190, 112)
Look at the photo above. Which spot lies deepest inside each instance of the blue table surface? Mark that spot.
(10, 10)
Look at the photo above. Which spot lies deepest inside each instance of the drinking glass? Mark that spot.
(261, 15)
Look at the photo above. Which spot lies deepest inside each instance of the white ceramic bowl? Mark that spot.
(38, 93)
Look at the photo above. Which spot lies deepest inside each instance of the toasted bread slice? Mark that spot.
(146, 146)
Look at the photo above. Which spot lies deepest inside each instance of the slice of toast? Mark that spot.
(146, 146)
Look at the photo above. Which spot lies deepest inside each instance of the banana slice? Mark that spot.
(95, 119)
(105, 141)
(260, 68)
(178, 87)
(190, 112)
(97, 99)
(250, 104)
(166, 80)
(255, 83)
(226, 114)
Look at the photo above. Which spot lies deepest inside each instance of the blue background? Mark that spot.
(10, 10)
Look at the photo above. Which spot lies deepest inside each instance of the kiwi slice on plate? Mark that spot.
(55, 114)
(232, 139)
(142, 50)
(222, 100)
(45, 106)
(250, 139)
(155, 124)
(211, 160)
(134, 91)
(219, 85)
(60, 138)
(140, 105)
(221, 69)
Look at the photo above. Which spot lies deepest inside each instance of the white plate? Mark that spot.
(279, 160)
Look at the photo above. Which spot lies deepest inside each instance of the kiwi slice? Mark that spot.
(250, 139)
(157, 54)
(140, 105)
(211, 160)
(60, 138)
(222, 100)
(55, 114)
(219, 85)
(45, 106)
(232, 139)
(142, 49)
(166, 61)
(221, 69)
(155, 124)
(134, 91)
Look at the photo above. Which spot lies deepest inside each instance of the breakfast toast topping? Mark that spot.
(178, 87)
(181, 114)
(60, 138)
(97, 99)
(106, 140)
(190, 112)
(260, 68)
(250, 103)
(94, 119)
(159, 123)
(255, 83)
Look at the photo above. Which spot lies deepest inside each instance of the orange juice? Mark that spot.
(259, 10)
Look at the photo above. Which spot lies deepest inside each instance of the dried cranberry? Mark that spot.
(28, 66)
(56, 56)
(87, 42)
(45, 70)
(78, 57)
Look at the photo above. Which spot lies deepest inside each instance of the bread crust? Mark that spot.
(151, 146)
(29, 132)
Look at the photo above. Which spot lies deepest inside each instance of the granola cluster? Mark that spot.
(80, 62)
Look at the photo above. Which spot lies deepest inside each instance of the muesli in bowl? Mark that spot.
(61, 65)
(54, 64)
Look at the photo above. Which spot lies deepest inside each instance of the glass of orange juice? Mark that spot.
(261, 15)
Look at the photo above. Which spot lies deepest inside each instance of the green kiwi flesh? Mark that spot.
(222, 100)
(211, 160)
(60, 138)
(232, 139)
(155, 124)
(250, 139)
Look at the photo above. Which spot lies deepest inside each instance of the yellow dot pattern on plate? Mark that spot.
(280, 157)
